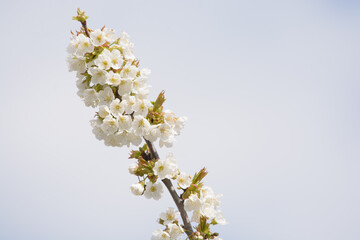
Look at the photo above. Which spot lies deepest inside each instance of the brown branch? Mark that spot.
(83, 23)
(178, 201)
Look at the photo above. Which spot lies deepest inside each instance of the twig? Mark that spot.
(178, 201)
(83, 23)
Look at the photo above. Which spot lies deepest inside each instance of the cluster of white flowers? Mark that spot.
(205, 205)
(109, 79)
(164, 168)
(172, 231)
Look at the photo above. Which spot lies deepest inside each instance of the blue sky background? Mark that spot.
(271, 89)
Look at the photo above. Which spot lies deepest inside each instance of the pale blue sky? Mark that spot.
(271, 89)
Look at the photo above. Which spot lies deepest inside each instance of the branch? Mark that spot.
(85, 28)
(178, 201)
(81, 17)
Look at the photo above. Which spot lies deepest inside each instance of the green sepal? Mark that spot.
(213, 222)
(192, 189)
(152, 177)
(135, 154)
(161, 221)
(93, 55)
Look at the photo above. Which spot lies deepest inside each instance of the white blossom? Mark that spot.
(145, 72)
(81, 85)
(174, 230)
(132, 168)
(160, 235)
(179, 125)
(116, 108)
(141, 125)
(127, 46)
(90, 97)
(124, 137)
(98, 37)
(134, 139)
(184, 180)
(209, 196)
(206, 206)
(153, 190)
(73, 45)
(138, 83)
(153, 133)
(169, 216)
(98, 76)
(169, 117)
(124, 122)
(192, 203)
(103, 61)
(76, 64)
(128, 53)
(196, 216)
(98, 132)
(143, 92)
(128, 103)
(220, 219)
(208, 210)
(167, 142)
(166, 131)
(106, 96)
(165, 168)
(109, 34)
(113, 79)
(129, 71)
(137, 189)
(124, 86)
(116, 59)
(110, 125)
(124, 40)
(141, 107)
(104, 111)
(113, 140)
(84, 45)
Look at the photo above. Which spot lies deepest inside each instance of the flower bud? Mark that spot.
(137, 188)
(199, 176)
(159, 101)
(132, 168)
(81, 17)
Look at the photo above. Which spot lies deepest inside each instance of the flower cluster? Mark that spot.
(202, 201)
(109, 79)
(205, 213)
(173, 229)
(206, 204)
(150, 171)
